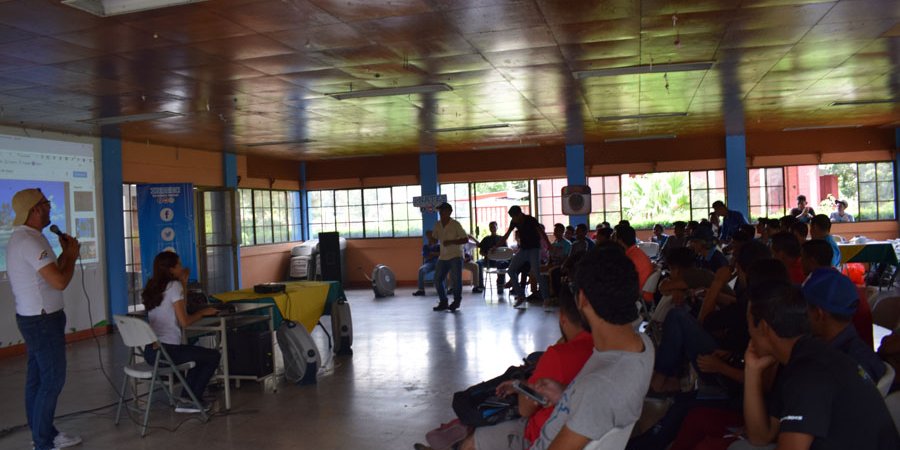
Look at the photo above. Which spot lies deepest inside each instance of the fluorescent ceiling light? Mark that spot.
(105, 8)
(821, 127)
(471, 128)
(383, 92)
(642, 70)
(266, 144)
(642, 138)
(115, 120)
(507, 146)
(641, 116)
(863, 102)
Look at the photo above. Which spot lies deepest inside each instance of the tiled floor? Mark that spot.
(407, 362)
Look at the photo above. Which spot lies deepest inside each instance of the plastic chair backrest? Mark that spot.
(886, 313)
(614, 439)
(886, 380)
(652, 282)
(135, 332)
(501, 254)
(651, 249)
(893, 405)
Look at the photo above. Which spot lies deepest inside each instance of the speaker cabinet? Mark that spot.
(330, 256)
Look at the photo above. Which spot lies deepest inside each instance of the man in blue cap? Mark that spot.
(832, 300)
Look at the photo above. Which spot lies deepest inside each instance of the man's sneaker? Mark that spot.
(477, 290)
(520, 301)
(63, 440)
(188, 407)
(534, 297)
(419, 293)
(454, 306)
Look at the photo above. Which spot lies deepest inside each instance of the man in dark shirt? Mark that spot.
(803, 212)
(731, 220)
(530, 236)
(708, 256)
(819, 400)
(832, 299)
(484, 247)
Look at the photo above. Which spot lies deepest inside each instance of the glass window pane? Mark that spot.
(885, 190)
(866, 192)
(867, 211)
(774, 177)
(885, 171)
(886, 210)
(611, 184)
(866, 172)
(698, 180)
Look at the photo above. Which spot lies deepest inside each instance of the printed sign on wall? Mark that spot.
(166, 223)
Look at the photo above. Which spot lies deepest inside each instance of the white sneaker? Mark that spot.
(63, 440)
(188, 407)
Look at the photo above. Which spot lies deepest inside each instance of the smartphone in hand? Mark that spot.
(530, 393)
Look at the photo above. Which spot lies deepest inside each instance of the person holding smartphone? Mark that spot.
(167, 313)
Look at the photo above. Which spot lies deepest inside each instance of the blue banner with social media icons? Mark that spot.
(166, 223)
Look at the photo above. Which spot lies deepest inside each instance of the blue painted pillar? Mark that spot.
(113, 225)
(575, 175)
(230, 180)
(428, 175)
(304, 211)
(737, 184)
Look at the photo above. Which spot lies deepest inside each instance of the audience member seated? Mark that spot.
(786, 222)
(472, 266)
(786, 249)
(603, 236)
(484, 247)
(832, 301)
(690, 228)
(609, 391)
(762, 234)
(677, 240)
(772, 226)
(819, 398)
(841, 215)
(820, 228)
(560, 363)
(659, 235)
(800, 231)
(803, 212)
(685, 280)
(816, 255)
(570, 233)
(430, 253)
(731, 220)
(558, 254)
(624, 235)
(708, 256)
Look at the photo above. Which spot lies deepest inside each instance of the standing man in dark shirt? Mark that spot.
(819, 399)
(731, 220)
(529, 252)
(484, 247)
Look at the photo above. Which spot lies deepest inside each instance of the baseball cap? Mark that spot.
(446, 206)
(831, 291)
(22, 203)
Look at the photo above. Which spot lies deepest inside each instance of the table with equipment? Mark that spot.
(870, 252)
(304, 302)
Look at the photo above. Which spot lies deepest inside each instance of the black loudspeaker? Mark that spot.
(330, 256)
(250, 353)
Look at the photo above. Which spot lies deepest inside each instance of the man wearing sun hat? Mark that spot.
(38, 278)
(832, 300)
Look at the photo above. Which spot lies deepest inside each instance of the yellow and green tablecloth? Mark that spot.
(302, 302)
(874, 252)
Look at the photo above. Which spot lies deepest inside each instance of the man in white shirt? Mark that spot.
(38, 278)
(452, 236)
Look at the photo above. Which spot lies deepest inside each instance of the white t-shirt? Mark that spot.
(162, 318)
(27, 252)
(450, 232)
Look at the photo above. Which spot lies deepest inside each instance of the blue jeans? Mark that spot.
(445, 266)
(424, 269)
(532, 256)
(206, 362)
(683, 338)
(45, 339)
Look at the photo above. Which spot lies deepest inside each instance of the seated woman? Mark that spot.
(167, 312)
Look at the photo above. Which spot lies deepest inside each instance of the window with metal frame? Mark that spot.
(269, 216)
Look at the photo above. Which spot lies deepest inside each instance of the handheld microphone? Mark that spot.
(55, 230)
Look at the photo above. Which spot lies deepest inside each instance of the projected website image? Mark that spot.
(55, 191)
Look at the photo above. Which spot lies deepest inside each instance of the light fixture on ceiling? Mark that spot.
(507, 146)
(820, 127)
(116, 120)
(371, 155)
(641, 116)
(471, 128)
(864, 102)
(651, 137)
(643, 70)
(105, 8)
(384, 92)
(266, 144)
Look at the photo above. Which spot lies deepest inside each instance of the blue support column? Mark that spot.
(428, 179)
(304, 204)
(737, 184)
(575, 175)
(113, 225)
(230, 180)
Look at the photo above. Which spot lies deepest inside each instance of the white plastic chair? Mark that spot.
(651, 249)
(893, 405)
(652, 282)
(886, 380)
(614, 439)
(137, 334)
(498, 255)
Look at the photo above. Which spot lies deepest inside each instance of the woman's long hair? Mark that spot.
(162, 275)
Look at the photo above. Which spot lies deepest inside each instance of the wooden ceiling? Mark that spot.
(257, 71)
